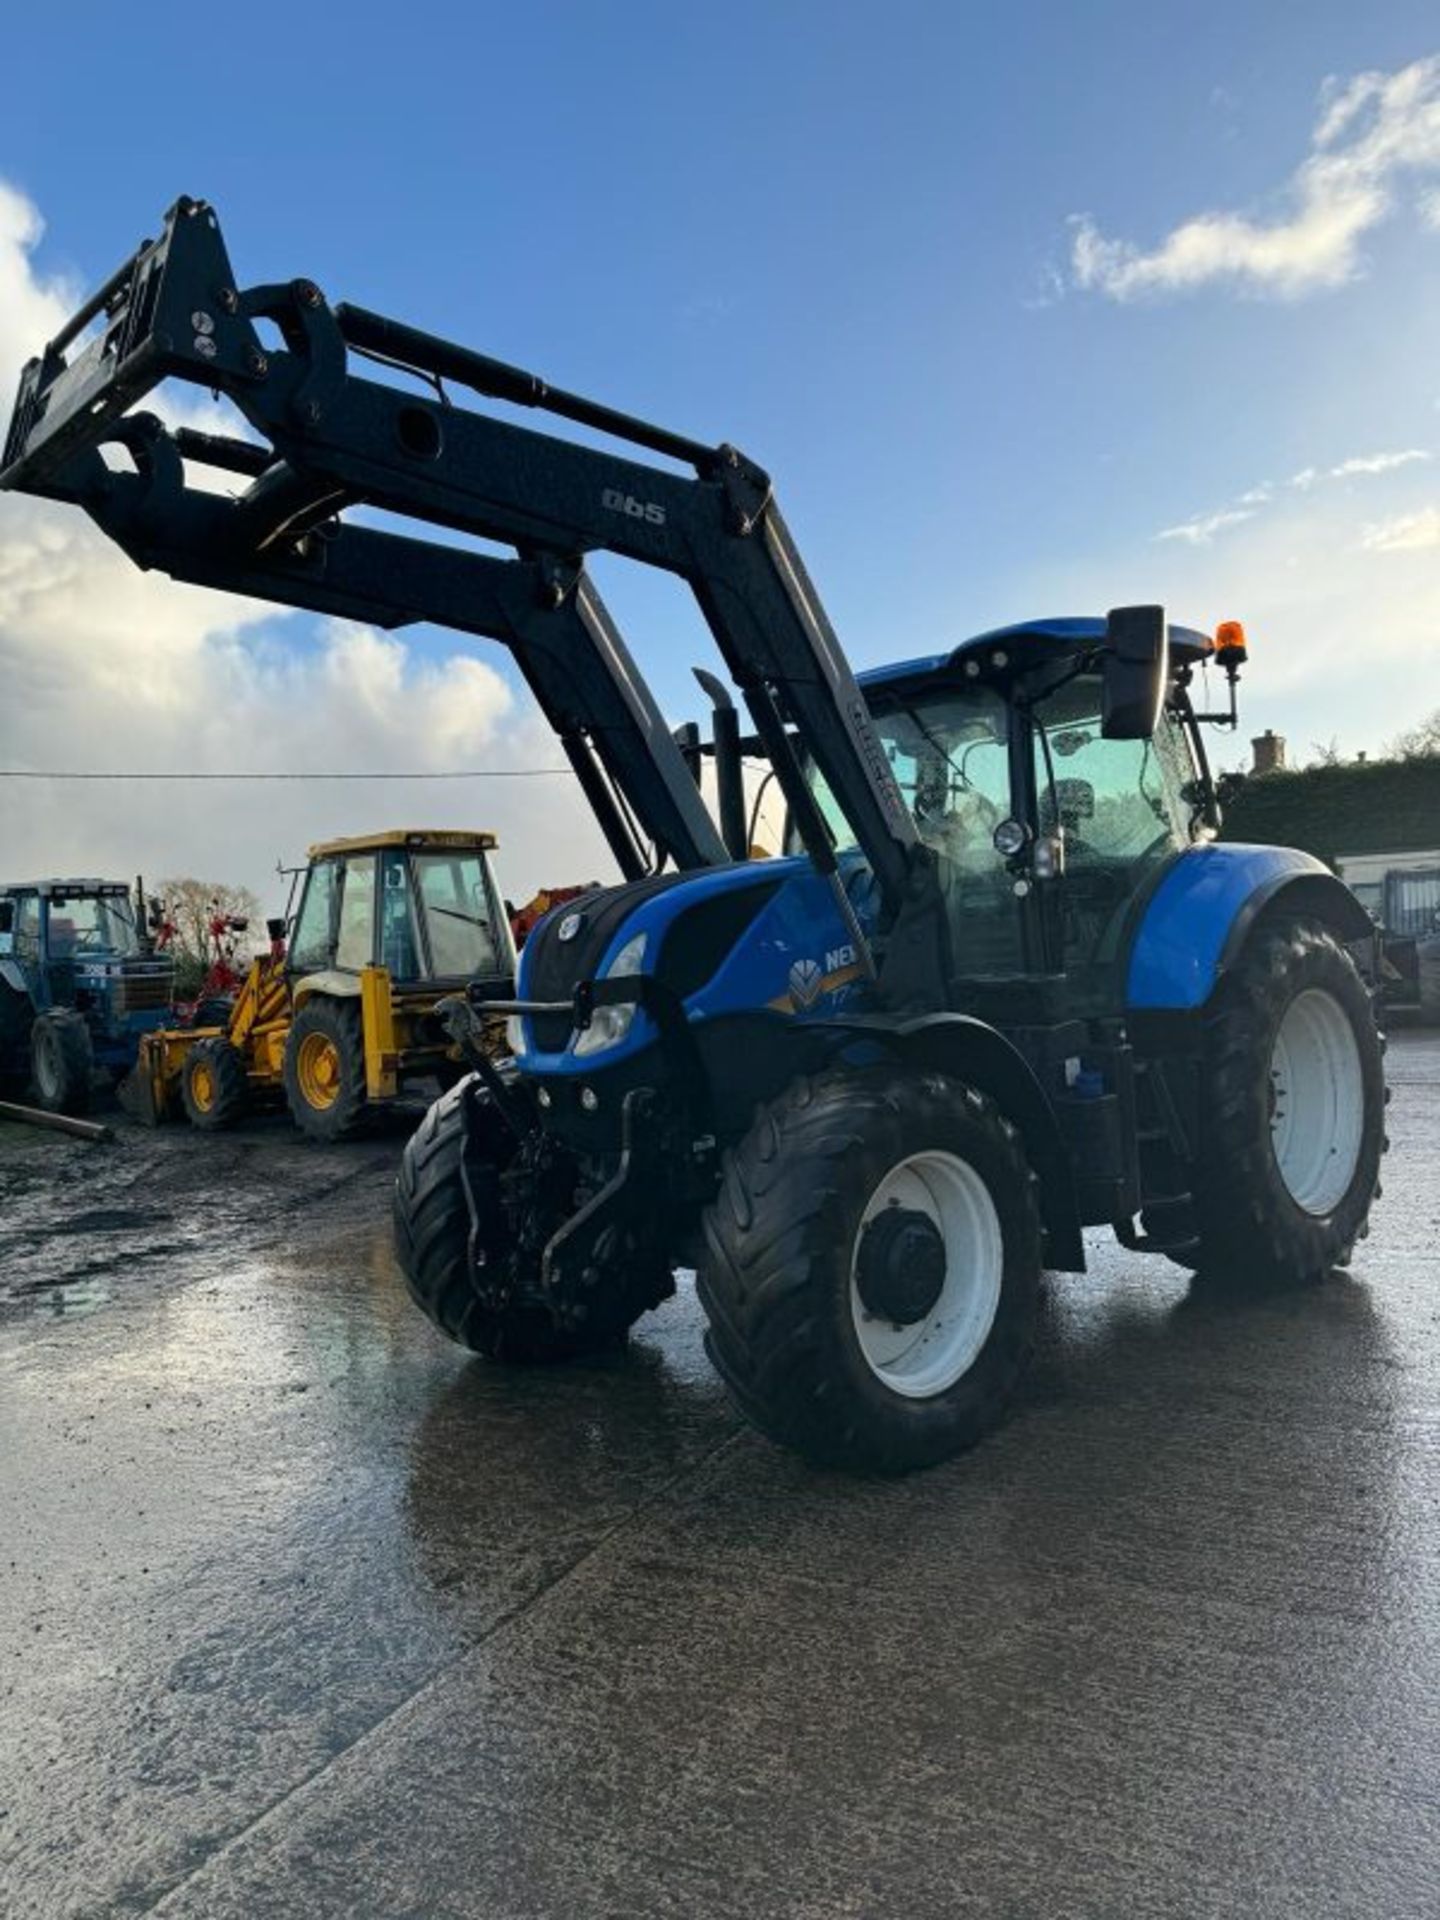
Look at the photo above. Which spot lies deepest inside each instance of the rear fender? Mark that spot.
(980, 1055)
(1300, 896)
(1198, 919)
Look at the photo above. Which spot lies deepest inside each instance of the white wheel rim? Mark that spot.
(930, 1355)
(1317, 1111)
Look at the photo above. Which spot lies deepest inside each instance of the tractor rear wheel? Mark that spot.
(62, 1061)
(1293, 1105)
(478, 1296)
(872, 1268)
(325, 1068)
(213, 1085)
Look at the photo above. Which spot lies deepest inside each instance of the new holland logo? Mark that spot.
(806, 983)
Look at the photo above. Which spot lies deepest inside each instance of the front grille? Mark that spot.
(145, 986)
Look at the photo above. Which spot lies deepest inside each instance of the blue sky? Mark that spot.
(845, 238)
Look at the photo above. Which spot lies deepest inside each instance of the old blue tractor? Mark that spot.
(1004, 983)
(77, 988)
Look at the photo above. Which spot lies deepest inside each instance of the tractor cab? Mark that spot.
(1045, 821)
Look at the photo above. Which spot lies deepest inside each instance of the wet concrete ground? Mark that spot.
(303, 1613)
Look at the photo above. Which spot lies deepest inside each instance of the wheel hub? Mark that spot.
(900, 1266)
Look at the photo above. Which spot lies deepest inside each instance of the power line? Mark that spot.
(474, 773)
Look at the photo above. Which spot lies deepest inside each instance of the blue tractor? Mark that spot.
(77, 988)
(1003, 984)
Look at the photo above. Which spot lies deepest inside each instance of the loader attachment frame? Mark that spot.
(332, 439)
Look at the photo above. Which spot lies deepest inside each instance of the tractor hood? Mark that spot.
(727, 940)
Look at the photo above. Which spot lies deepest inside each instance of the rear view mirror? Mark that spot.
(1137, 671)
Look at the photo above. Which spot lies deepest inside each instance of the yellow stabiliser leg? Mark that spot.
(150, 1091)
(377, 1020)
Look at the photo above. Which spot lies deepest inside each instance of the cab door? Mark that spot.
(1118, 812)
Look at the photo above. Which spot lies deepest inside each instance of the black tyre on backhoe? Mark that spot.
(1292, 1113)
(324, 1068)
(451, 1165)
(872, 1268)
(62, 1061)
(213, 1086)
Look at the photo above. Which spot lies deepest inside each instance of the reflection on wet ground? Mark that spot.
(305, 1613)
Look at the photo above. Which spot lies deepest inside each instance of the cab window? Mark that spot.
(314, 940)
(949, 751)
(459, 915)
(1116, 803)
(27, 927)
(91, 923)
(355, 947)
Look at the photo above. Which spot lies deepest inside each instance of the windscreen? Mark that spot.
(91, 923)
(459, 915)
(950, 754)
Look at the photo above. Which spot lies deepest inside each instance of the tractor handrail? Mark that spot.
(331, 438)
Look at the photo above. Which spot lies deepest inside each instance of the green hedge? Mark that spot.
(1380, 806)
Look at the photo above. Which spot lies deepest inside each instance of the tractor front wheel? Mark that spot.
(872, 1268)
(1293, 1106)
(325, 1068)
(468, 1268)
(213, 1085)
(62, 1061)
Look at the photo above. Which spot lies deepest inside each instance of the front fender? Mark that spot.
(1199, 917)
(335, 984)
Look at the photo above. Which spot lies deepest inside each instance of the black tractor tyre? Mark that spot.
(62, 1061)
(781, 1274)
(1251, 1225)
(213, 1085)
(433, 1225)
(324, 1069)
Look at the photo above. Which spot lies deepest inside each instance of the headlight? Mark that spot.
(515, 1033)
(609, 1025)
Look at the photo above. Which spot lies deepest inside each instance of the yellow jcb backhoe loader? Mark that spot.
(389, 925)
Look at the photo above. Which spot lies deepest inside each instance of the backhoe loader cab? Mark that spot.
(422, 905)
(1004, 984)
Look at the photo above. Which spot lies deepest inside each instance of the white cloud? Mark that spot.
(1328, 655)
(106, 667)
(1203, 529)
(1375, 133)
(1377, 463)
(1407, 533)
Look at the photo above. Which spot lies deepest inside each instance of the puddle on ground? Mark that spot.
(71, 1300)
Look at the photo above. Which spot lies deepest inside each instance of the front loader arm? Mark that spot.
(332, 439)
